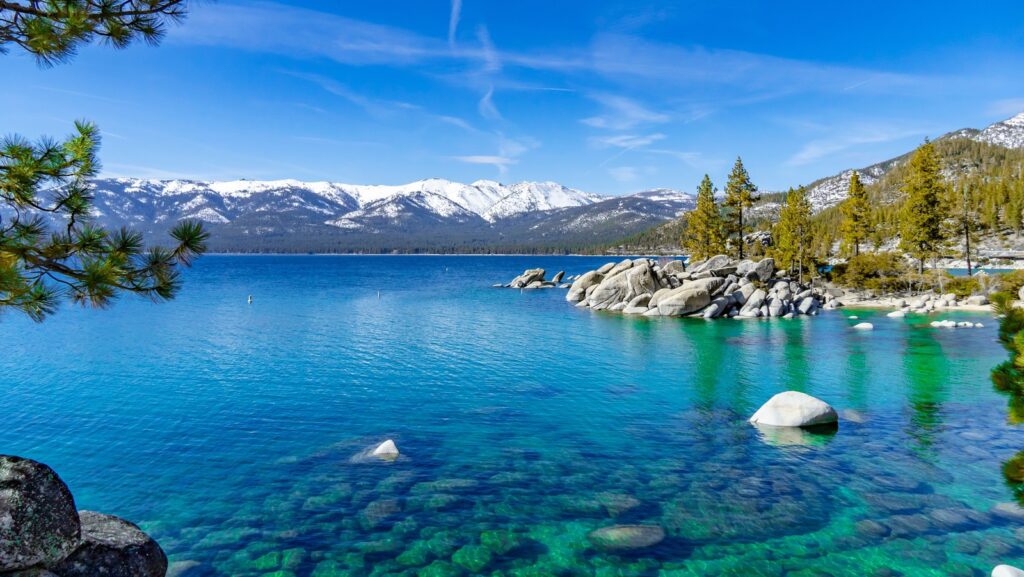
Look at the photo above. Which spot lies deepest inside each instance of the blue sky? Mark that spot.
(609, 97)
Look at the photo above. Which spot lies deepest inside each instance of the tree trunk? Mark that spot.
(741, 232)
(967, 241)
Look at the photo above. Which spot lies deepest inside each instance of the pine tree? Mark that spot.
(964, 221)
(740, 194)
(921, 230)
(856, 224)
(48, 181)
(704, 237)
(792, 234)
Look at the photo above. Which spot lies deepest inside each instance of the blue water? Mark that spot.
(227, 430)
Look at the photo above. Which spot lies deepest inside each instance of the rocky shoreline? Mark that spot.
(716, 287)
(42, 534)
(723, 287)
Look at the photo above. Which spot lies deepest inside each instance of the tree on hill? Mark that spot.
(923, 213)
(965, 221)
(856, 211)
(740, 194)
(792, 233)
(704, 236)
(49, 249)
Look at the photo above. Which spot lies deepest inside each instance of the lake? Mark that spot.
(227, 430)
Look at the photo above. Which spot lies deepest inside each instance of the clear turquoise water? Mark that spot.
(227, 429)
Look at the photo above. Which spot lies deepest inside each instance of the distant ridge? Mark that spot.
(832, 190)
(434, 215)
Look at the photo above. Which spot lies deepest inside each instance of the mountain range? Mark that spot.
(433, 215)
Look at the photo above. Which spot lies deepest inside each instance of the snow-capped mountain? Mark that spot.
(832, 190)
(422, 215)
(1008, 133)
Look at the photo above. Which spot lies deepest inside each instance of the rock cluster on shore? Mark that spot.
(534, 279)
(43, 535)
(717, 287)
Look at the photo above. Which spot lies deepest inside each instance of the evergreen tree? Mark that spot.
(856, 224)
(704, 237)
(792, 234)
(921, 231)
(49, 249)
(740, 194)
(964, 220)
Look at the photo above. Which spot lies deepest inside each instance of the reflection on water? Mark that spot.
(228, 430)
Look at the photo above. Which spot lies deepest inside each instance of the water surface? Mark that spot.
(227, 430)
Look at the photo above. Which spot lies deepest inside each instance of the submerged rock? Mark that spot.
(626, 537)
(794, 409)
(38, 520)
(113, 547)
(386, 450)
(863, 326)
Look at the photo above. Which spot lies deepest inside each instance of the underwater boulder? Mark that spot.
(1007, 570)
(794, 409)
(386, 450)
(626, 537)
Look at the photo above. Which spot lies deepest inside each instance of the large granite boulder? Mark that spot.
(578, 290)
(113, 547)
(640, 280)
(752, 307)
(1006, 571)
(762, 270)
(612, 290)
(528, 277)
(684, 300)
(38, 521)
(795, 409)
(558, 276)
(715, 262)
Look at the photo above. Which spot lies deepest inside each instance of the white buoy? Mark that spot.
(378, 295)
(250, 299)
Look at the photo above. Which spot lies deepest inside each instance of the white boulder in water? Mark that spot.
(864, 326)
(1007, 571)
(896, 314)
(386, 450)
(794, 409)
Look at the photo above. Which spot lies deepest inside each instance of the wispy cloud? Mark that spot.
(509, 151)
(453, 21)
(1007, 107)
(500, 162)
(624, 173)
(628, 141)
(492, 63)
(622, 113)
(486, 106)
(845, 140)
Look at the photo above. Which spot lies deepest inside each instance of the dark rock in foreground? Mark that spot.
(113, 547)
(42, 535)
(38, 521)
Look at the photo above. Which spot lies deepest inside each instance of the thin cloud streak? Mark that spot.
(453, 21)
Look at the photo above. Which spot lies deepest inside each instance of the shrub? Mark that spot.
(884, 271)
(962, 286)
(1010, 282)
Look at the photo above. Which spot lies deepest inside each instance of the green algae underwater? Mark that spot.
(231, 432)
